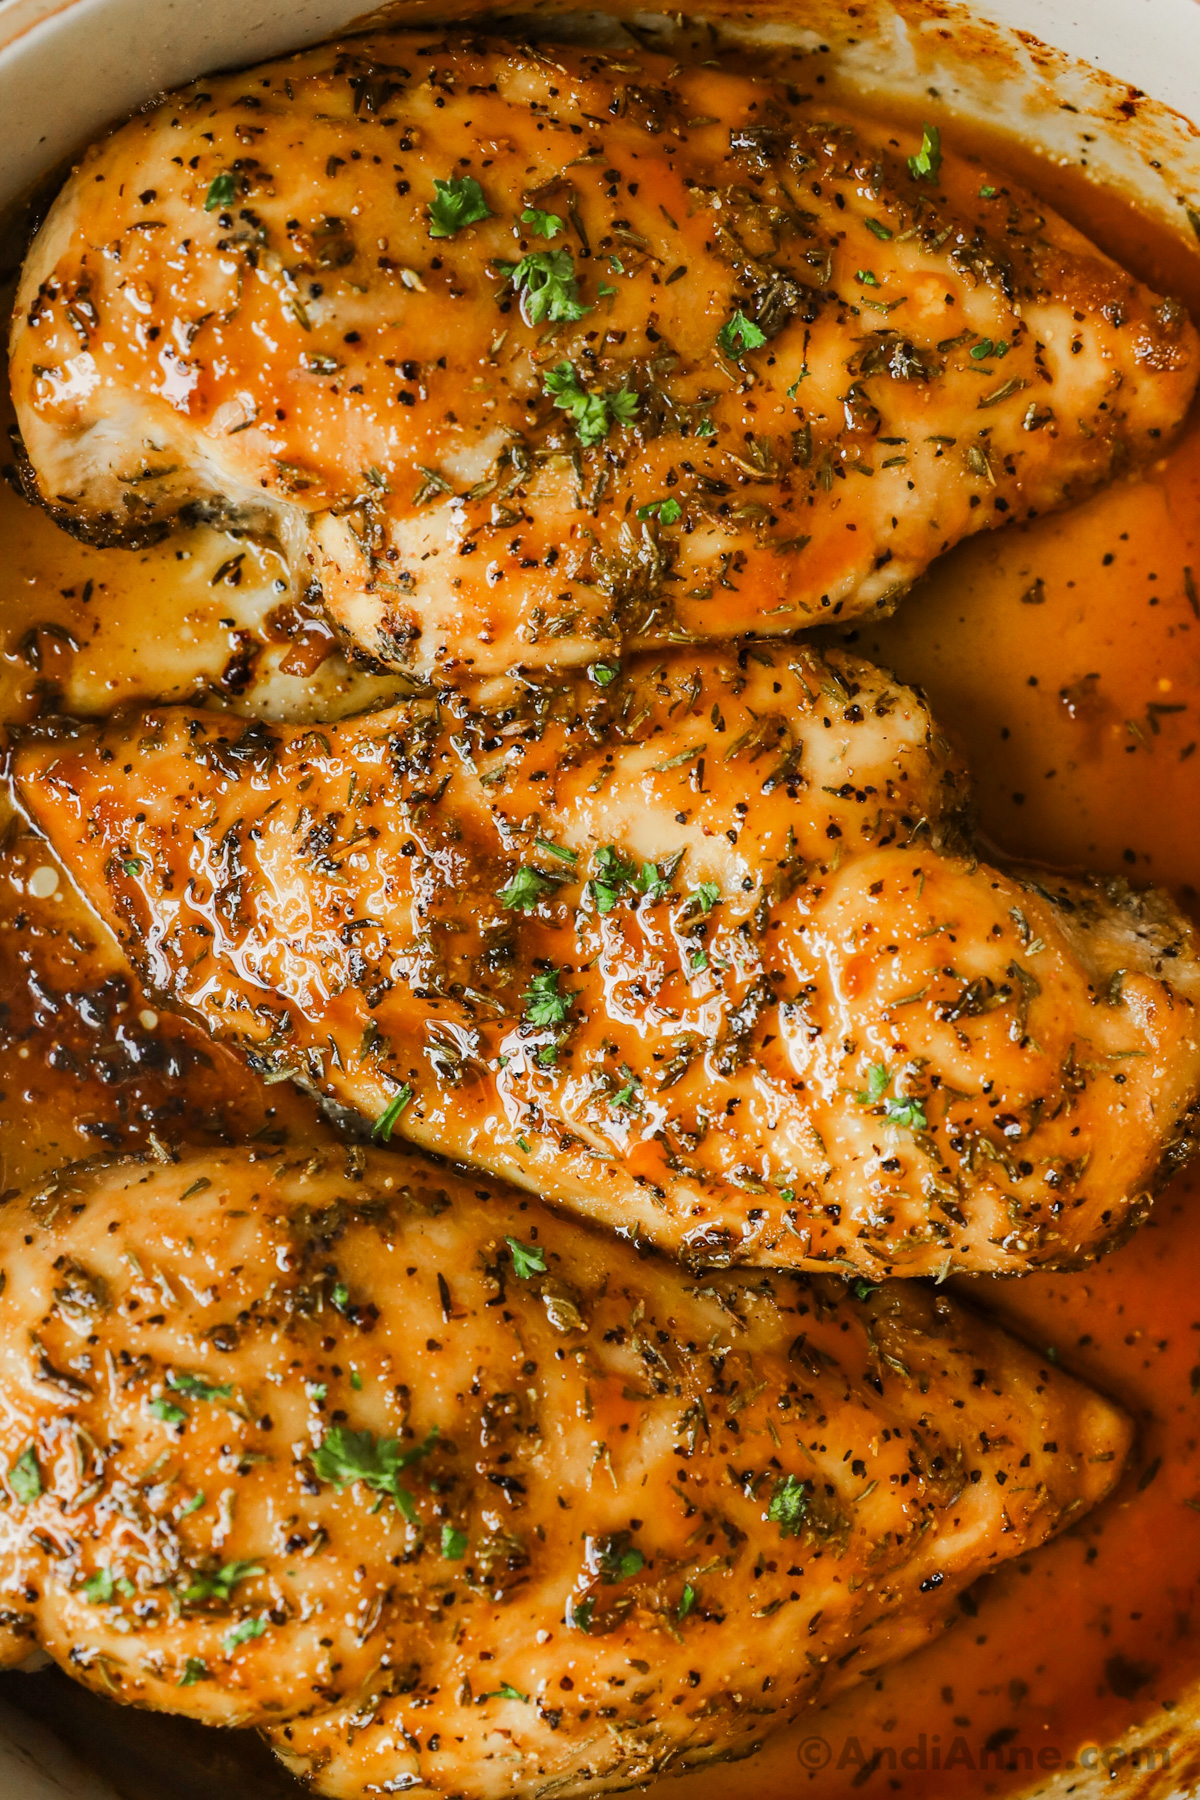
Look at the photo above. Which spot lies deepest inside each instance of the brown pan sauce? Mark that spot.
(1066, 656)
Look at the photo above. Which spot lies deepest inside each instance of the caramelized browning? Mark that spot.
(445, 1489)
(699, 948)
(524, 354)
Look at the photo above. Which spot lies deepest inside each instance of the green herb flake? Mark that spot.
(25, 1477)
(545, 1004)
(881, 230)
(456, 203)
(195, 1387)
(506, 1691)
(356, 1381)
(527, 1259)
(347, 1456)
(388, 1119)
(686, 1602)
(525, 890)
(543, 224)
(132, 866)
(603, 674)
(612, 874)
(788, 1506)
(98, 1588)
(868, 277)
(169, 1414)
(222, 192)
(667, 512)
(702, 899)
(926, 165)
(242, 1633)
(593, 415)
(740, 334)
(547, 288)
(454, 1543)
(193, 1671)
(988, 193)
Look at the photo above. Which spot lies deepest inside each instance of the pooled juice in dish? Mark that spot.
(1066, 657)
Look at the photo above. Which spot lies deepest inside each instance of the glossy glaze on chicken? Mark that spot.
(528, 353)
(448, 1491)
(699, 947)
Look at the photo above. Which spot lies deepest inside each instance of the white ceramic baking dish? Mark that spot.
(1115, 83)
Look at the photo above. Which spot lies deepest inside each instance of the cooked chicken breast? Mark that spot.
(698, 948)
(525, 353)
(466, 1492)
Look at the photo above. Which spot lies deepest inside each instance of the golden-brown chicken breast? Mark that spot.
(698, 948)
(528, 352)
(468, 1493)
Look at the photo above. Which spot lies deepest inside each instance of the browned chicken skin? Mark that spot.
(528, 353)
(698, 947)
(447, 1490)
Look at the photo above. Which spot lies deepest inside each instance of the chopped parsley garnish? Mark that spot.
(686, 1601)
(706, 428)
(195, 1386)
(340, 1297)
(527, 1259)
(667, 511)
(132, 866)
(862, 1290)
(593, 415)
(388, 1119)
(193, 1671)
(627, 1097)
(169, 1414)
(547, 1055)
(506, 1691)
(738, 335)
(454, 1543)
(456, 203)
(881, 230)
(898, 1109)
(98, 1588)
(614, 1558)
(241, 1633)
(702, 899)
(926, 165)
(544, 1004)
(655, 882)
(987, 193)
(348, 1456)
(789, 1505)
(603, 674)
(612, 874)
(579, 1613)
(220, 1586)
(698, 959)
(985, 348)
(525, 889)
(868, 277)
(222, 192)
(25, 1477)
(544, 224)
(546, 285)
